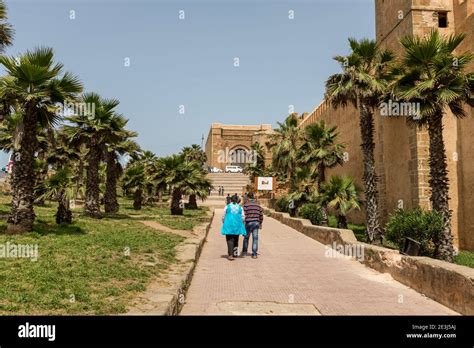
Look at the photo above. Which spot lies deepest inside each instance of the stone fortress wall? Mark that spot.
(401, 150)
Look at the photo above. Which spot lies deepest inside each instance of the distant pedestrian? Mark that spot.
(223, 190)
(228, 199)
(237, 198)
(233, 227)
(220, 190)
(253, 213)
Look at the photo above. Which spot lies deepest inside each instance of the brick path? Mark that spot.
(293, 276)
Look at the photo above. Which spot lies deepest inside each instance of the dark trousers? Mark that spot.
(232, 244)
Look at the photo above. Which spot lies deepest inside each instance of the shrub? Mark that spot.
(282, 204)
(422, 226)
(311, 212)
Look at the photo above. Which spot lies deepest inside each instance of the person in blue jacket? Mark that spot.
(233, 226)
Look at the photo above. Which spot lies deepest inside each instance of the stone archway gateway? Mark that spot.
(231, 144)
(240, 156)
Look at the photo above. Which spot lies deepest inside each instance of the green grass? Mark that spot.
(359, 230)
(85, 267)
(187, 221)
(465, 258)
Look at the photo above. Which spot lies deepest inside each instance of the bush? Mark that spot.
(282, 204)
(422, 226)
(311, 212)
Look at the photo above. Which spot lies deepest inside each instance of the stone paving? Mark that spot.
(292, 275)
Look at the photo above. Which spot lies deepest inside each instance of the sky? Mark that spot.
(175, 76)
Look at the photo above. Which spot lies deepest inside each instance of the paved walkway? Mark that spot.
(293, 276)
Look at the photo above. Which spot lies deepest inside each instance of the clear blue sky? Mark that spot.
(190, 62)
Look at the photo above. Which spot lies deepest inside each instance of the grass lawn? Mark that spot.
(187, 221)
(89, 267)
(465, 258)
(359, 230)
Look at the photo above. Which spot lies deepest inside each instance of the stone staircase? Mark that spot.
(232, 182)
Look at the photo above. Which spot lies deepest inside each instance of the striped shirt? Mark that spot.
(253, 212)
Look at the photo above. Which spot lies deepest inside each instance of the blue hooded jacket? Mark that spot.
(233, 220)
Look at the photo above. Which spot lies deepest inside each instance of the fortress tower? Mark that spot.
(401, 150)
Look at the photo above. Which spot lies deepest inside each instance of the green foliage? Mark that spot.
(61, 180)
(320, 149)
(422, 226)
(134, 177)
(367, 72)
(312, 212)
(284, 145)
(341, 194)
(282, 204)
(430, 78)
(194, 153)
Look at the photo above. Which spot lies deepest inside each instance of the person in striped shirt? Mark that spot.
(253, 222)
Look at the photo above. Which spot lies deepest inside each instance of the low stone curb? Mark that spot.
(170, 299)
(449, 284)
(189, 253)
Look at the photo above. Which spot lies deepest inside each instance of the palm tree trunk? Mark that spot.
(159, 193)
(22, 214)
(373, 231)
(80, 177)
(176, 207)
(110, 196)
(92, 204)
(192, 204)
(138, 199)
(63, 214)
(341, 221)
(292, 177)
(439, 184)
(40, 177)
(324, 206)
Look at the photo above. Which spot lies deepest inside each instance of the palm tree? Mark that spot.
(92, 128)
(436, 79)
(320, 151)
(258, 167)
(46, 141)
(367, 71)
(194, 153)
(59, 187)
(305, 191)
(181, 177)
(284, 144)
(341, 194)
(134, 180)
(199, 187)
(149, 160)
(35, 84)
(7, 132)
(118, 144)
(6, 30)
(158, 177)
(72, 150)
